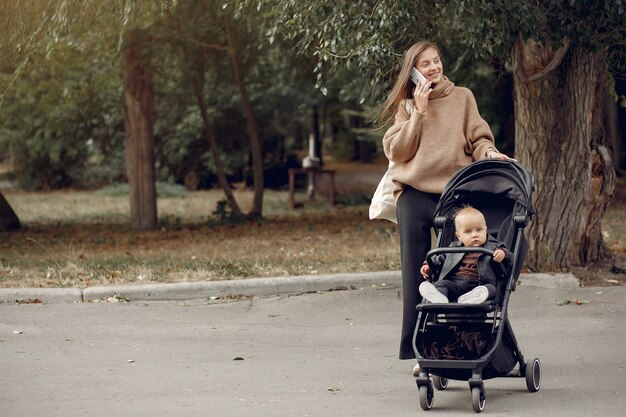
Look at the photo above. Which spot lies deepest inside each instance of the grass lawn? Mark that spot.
(79, 239)
(83, 239)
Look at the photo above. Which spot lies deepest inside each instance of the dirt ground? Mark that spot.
(611, 273)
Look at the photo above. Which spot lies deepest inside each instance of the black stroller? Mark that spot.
(474, 342)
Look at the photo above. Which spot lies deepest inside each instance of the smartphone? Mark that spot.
(417, 76)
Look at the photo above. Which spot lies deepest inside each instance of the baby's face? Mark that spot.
(471, 229)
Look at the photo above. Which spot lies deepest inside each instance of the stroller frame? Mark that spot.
(503, 357)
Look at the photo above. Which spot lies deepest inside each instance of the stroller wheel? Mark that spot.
(533, 375)
(440, 382)
(478, 399)
(426, 396)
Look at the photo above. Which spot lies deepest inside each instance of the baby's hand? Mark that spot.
(498, 255)
(425, 270)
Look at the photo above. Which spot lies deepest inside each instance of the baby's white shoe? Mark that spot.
(476, 296)
(430, 293)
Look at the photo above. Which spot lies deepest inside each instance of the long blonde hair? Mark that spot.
(403, 88)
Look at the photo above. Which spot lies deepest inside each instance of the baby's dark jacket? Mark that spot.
(486, 273)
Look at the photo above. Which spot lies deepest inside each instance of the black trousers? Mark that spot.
(453, 287)
(415, 221)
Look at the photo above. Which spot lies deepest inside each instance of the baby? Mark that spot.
(468, 277)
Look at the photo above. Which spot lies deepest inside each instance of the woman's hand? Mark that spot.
(497, 155)
(420, 96)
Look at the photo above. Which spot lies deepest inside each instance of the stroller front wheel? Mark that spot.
(478, 399)
(426, 396)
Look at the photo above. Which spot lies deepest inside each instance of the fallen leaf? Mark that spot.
(115, 298)
(28, 301)
(572, 301)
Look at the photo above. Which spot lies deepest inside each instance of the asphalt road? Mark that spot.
(317, 354)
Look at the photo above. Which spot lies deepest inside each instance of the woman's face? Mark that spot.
(430, 65)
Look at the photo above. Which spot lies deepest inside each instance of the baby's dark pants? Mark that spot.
(453, 287)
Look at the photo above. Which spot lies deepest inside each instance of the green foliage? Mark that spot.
(60, 117)
(363, 36)
(493, 26)
(60, 73)
(369, 36)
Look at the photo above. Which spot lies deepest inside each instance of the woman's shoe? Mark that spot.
(416, 370)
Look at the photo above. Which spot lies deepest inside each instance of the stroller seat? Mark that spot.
(487, 306)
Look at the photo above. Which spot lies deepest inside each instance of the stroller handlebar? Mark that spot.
(463, 249)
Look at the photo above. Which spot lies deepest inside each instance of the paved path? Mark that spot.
(317, 354)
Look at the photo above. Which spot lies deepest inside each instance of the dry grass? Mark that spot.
(79, 239)
(82, 239)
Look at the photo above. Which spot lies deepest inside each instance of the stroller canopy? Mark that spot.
(490, 183)
(500, 189)
(491, 176)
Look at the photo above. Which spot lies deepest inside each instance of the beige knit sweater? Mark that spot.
(428, 148)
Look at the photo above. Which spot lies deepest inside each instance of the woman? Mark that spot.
(436, 130)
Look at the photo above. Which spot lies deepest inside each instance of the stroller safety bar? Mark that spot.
(438, 251)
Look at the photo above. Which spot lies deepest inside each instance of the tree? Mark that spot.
(196, 29)
(139, 116)
(8, 219)
(255, 144)
(31, 28)
(559, 53)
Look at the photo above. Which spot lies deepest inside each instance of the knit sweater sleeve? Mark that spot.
(402, 139)
(478, 133)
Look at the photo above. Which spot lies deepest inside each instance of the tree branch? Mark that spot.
(519, 62)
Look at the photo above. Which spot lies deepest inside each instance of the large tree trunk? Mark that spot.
(8, 219)
(255, 142)
(139, 119)
(566, 150)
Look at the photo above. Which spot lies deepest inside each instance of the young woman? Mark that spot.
(436, 130)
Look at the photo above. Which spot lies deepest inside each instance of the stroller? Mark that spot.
(474, 342)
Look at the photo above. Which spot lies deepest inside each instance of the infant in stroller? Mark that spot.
(470, 277)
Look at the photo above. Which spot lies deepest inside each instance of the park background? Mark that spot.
(149, 141)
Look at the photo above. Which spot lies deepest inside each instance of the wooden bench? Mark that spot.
(315, 172)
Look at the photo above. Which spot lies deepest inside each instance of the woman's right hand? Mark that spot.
(497, 155)
(420, 96)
